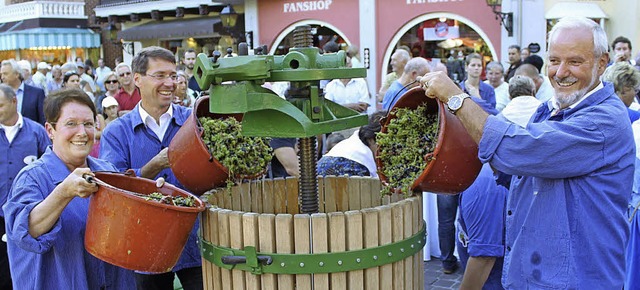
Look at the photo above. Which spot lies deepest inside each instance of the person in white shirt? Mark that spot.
(495, 78)
(101, 73)
(523, 103)
(544, 90)
(351, 93)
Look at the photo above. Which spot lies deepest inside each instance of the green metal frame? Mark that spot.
(265, 114)
(317, 262)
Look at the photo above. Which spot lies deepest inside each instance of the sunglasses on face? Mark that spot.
(111, 82)
(124, 73)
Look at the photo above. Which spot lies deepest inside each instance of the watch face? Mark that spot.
(455, 103)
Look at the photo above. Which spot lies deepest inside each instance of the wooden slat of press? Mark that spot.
(236, 198)
(366, 196)
(371, 235)
(301, 224)
(330, 188)
(206, 235)
(354, 194)
(236, 238)
(250, 238)
(267, 234)
(385, 230)
(285, 245)
(256, 196)
(214, 239)
(321, 206)
(225, 196)
(293, 206)
(342, 193)
(245, 195)
(224, 241)
(418, 260)
(320, 236)
(386, 199)
(397, 226)
(373, 199)
(355, 239)
(337, 243)
(280, 196)
(268, 196)
(212, 198)
(407, 213)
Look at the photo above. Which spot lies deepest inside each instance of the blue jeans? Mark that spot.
(447, 208)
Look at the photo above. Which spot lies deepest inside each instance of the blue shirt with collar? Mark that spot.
(481, 220)
(566, 221)
(129, 144)
(56, 259)
(393, 94)
(28, 145)
(486, 93)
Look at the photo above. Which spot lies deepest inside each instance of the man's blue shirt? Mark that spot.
(481, 218)
(393, 94)
(566, 211)
(129, 144)
(56, 259)
(28, 145)
(486, 93)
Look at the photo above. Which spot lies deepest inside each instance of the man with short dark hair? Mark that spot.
(22, 141)
(514, 60)
(140, 140)
(189, 61)
(621, 48)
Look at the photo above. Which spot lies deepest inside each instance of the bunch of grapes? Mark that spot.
(242, 156)
(168, 199)
(410, 135)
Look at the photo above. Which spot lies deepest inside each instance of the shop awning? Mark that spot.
(43, 37)
(588, 10)
(179, 28)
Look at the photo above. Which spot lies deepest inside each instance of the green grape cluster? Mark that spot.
(188, 201)
(243, 156)
(410, 135)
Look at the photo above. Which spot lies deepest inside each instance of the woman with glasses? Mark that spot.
(112, 86)
(46, 211)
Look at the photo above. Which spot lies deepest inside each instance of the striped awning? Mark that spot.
(44, 37)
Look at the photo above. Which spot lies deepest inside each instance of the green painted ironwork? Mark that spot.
(313, 263)
(304, 114)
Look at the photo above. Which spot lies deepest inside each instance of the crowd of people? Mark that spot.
(554, 205)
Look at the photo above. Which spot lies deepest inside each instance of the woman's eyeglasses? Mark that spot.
(111, 82)
(73, 124)
(124, 73)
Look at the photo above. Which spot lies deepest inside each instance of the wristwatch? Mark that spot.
(455, 102)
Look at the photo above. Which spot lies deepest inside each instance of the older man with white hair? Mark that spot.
(572, 166)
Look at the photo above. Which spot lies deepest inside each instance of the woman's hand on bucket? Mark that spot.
(76, 185)
(439, 85)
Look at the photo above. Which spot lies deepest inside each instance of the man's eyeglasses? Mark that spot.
(111, 82)
(73, 124)
(125, 73)
(162, 77)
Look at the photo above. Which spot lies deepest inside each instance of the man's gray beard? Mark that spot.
(573, 98)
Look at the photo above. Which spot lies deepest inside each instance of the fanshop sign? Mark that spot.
(303, 6)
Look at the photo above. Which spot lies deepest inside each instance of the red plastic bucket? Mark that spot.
(134, 233)
(189, 157)
(455, 164)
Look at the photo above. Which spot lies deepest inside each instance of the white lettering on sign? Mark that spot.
(409, 2)
(302, 6)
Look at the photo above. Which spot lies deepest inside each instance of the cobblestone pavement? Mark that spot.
(435, 279)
